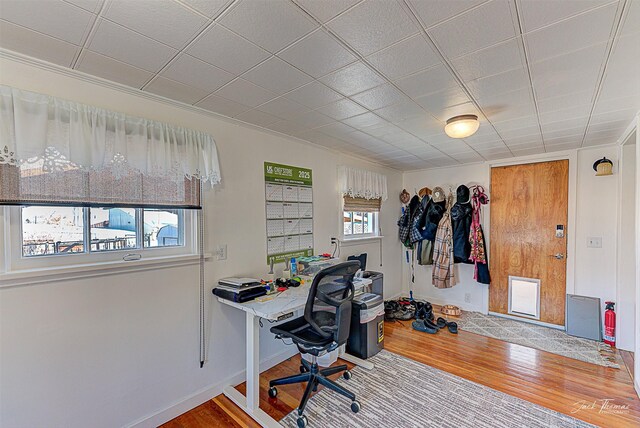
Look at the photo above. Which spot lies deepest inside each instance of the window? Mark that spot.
(360, 224)
(50, 230)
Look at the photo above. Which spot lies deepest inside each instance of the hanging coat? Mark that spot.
(442, 274)
(476, 238)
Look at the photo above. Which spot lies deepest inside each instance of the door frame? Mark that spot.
(572, 157)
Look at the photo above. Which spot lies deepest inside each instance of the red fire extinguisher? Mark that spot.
(609, 324)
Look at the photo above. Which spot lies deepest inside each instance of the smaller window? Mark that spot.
(360, 224)
(52, 230)
(113, 229)
(162, 228)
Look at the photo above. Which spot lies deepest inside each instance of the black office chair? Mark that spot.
(323, 328)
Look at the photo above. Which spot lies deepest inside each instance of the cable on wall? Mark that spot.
(202, 301)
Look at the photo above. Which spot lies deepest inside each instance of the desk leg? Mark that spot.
(251, 403)
(355, 360)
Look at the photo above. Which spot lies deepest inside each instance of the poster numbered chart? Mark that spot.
(289, 208)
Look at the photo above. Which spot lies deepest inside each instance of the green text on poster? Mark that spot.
(287, 174)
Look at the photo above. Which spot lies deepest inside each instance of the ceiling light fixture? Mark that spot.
(462, 126)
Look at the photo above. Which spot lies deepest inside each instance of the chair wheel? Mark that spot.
(355, 406)
(303, 369)
(346, 375)
(302, 422)
(273, 392)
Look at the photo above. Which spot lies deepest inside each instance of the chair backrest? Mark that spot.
(332, 292)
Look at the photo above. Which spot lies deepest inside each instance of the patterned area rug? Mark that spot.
(400, 392)
(538, 337)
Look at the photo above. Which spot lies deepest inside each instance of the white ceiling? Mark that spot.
(374, 78)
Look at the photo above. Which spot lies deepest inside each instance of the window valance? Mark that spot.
(358, 183)
(54, 150)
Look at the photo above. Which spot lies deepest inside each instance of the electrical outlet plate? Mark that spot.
(221, 252)
(594, 242)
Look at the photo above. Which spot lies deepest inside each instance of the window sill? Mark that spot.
(55, 274)
(345, 242)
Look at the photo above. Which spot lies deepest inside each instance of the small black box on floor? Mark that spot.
(366, 337)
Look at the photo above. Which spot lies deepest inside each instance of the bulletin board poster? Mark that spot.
(289, 210)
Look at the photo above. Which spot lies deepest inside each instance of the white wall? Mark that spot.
(626, 296)
(119, 349)
(591, 271)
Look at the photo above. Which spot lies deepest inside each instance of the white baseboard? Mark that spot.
(530, 321)
(207, 393)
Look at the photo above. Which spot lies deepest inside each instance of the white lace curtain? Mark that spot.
(359, 183)
(57, 150)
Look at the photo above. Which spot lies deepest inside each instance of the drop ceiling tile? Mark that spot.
(632, 21)
(353, 79)
(283, 108)
(364, 120)
(285, 127)
(210, 8)
(502, 113)
(244, 92)
(401, 111)
(564, 133)
(110, 69)
(496, 59)
(257, 117)
(493, 103)
(575, 112)
(607, 126)
(434, 11)
(468, 157)
(127, 46)
(426, 82)
(565, 66)
(438, 101)
(423, 127)
(576, 33)
(271, 25)
(342, 109)
(373, 25)
(499, 83)
(317, 54)
(485, 134)
(526, 151)
(336, 129)
(529, 140)
(380, 96)
(163, 20)
(277, 76)
(457, 110)
(175, 90)
(92, 6)
(194, 72)
(516, 124)
(324, 10)
(405, 57)
(313, 95)
(312, 119)
(478, 28)
(23, 40)
(54, 18)
(540, 13)
(224, 49)
(222, 106)
(623, 113)
(562, 102)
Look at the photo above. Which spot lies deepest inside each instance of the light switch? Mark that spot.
(594, 242)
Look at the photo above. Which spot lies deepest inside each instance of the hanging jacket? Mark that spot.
(442, 273)
(478, 253)
(461, 223)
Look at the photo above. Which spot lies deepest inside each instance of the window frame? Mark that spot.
(15, 261)
(375, 226)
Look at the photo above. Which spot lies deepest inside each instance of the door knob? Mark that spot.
(558, 256)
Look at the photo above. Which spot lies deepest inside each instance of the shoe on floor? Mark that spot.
(421, 326)
(453, 327)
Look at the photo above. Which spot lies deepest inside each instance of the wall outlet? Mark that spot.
(594, 242)
(221, 252)
(467, 297)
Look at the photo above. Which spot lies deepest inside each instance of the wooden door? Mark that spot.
(527, 203)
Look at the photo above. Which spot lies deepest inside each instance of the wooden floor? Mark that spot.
(550, 380)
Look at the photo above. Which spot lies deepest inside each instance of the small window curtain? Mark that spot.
(54, 151)
(363, 191)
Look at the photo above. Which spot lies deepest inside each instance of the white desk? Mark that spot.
(284, 303)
